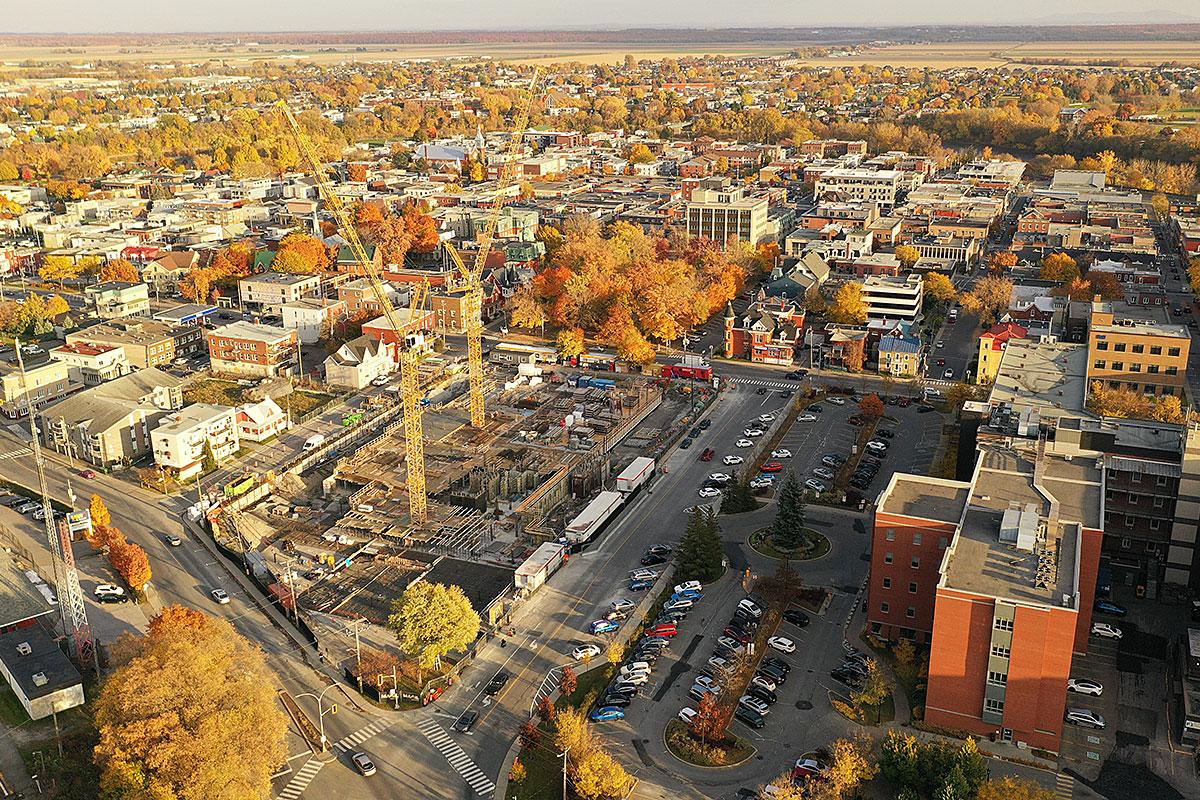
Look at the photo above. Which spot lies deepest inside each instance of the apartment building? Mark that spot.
(272, 290)
(250, 350)
(894, 298)
(1143, 355)
(833, 148)
(92, 364)
(146, 342)
(180, 440)
(41, 384)
(720, 212)
(109, 425)
(900, 356)
(313, 318)
(117, 299)
(992, 344)
(359, 297)
(863, 185)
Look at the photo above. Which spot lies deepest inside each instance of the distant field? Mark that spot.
(947, 54)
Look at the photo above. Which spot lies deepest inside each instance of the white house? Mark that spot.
(356, 363)
(312, 317)
(179, 440)
(260, 421)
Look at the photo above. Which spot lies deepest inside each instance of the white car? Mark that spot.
(948, 374)
(762, 482)
(781, 454)
(636, 678)
(719, 476)
(806, 418)
(782, 644)
(837, 401)
(687, 586)
(816, 486)
(743, 443)
(752, 432)
(382, 380)
(732, 461)
(622, 604)
(763, 682)
(687, 714)
(643, 575)
(1106, 631)
(766, 417)
(1084, 717)
(1085, 686)
(710, 492)
(585, 651)
(678, 605)
(940, 345)
(877, 446)
(220, 595)
(108, 593)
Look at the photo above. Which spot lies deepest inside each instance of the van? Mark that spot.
(747, 605)
(663, 630)
(314, 441)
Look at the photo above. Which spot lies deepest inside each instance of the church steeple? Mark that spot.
(480, 142)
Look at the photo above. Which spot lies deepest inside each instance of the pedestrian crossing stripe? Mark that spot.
(1064, 786)
(361, 735)
(24, 451)
(766, 383)
(454, 754)
(301, 780)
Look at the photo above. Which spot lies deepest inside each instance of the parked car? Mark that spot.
(1084, 718)
(1085, 686)
(824, 472)
(615, 700)
(497, 683)
(771, 466)
(708, 454)
(465, 722)
(886, 433)
(749, 717)
(743, 443)
(87, 473)
(621, 604)
(608, 714)
(1106, 631)
(730, 643)
(731, 461)
(834, 460)
(659, 550)
(754, 704)
(753, 432)
(719, 477)
(806, 418)
(643, 575)
(652, 560)
(694, 432)
(662, 630)
(782, 644)
(739, 635)
(687, 586)
(796, 617)
(603, 626)
(762, 482)
(948, 374)
(781, 453)
(108, 593)
(777, 663)
(685, 444)
(764, 682)
(766, 695)
(686, 715)
(698, 693)
(639, 586)
(816, 486)
(705, 423)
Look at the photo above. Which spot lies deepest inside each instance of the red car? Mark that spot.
(941, 362)
(663, 630)
(739, 636)
(87, 473)
(707, 455)
(772, 466)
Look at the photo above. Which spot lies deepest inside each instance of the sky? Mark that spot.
(106, 16)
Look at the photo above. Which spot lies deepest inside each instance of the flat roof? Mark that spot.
(185, 313)
(1049, 376)
(45, 659)
(481, 583)
(249, 331)
(924, 497)
(19, 600)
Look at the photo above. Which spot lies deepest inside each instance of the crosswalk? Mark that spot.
(348, 742)
(1064, 786)
(764, 382)
(301, 780)
(19, 453)
(454, 754)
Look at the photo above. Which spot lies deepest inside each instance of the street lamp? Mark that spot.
(321, 712)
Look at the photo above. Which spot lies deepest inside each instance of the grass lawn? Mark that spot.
(734, 750)
(764, 544)
(11, 711)
(215, 392)
(588, 687)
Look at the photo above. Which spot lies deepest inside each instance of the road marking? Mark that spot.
(347, 742)
(24, 451)
(300, 782)
(454, 754)
(1064, 786)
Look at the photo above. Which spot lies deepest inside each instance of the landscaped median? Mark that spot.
(724, 750)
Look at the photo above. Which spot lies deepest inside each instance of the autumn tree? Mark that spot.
(597, 775)
(59, 269)
(1001, 260)
(191, 713)
(814, 301)
(570, 342)
(849, 305)
(876, 688)
(709, 723)
(871, 406)
(907, 255)
(939, 288)
(131, 561)
(989, 299)
(1160, 205)
(546, 709)
(1011, 787)
(851, 764)
(300, 253)
(640, 154)
(1059, 267)
(525, 309)
(855, 355)
(431, 620)
(569, 682)
(56, 305)
(120, 270)
(99, 511)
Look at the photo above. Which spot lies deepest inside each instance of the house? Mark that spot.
(182, 441)
(41, 384)
(259, 421)
(845, 347)
(92, 364)
(417, 323)
(809, 272)
(250, 350)
(165, 272)
(360, 300)
(992, 344)
(43, 679)
(312, 318)
(900, 356)
(272, 290)
(116, 299)
(767, 333)
(346, 261)
(109, 425)
(146, 342)
(356, 363)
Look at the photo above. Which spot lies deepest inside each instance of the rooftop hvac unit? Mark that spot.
(24, 649)
(40, 679)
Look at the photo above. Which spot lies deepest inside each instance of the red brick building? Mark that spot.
(767, 333)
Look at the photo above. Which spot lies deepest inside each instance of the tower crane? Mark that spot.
(472, 277)
(410, 390)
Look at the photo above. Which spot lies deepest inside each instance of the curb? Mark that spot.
(667, 748)
(502, 779)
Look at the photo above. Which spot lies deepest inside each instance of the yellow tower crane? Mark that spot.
(472, 278)
(410, 390)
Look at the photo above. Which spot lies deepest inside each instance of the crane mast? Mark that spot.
(410, 392)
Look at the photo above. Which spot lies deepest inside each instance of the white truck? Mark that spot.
(637, 473)
(593, 517)
(314, 441)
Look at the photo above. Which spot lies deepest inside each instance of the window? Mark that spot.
(887, 558)
(916, 562)
(1000, 652)
(1135, 367)
(1133, 499)
(1155, 350)
(1119, 347)
(1126, 542)
(891, 534)
(912, 587)
(887, 583)
(1003, 624)
(1101, 345)
(884, 608)
(1155, 524)
(1159, 502)
(917, 538)
(1139, 348)
(1174, 351)
(1172, 370)
(1118, 366)
(993, 705)
(1152, 369)
(911, 612)
(1099, 364)
(997, 678)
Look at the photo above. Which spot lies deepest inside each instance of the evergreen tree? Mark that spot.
(210, 459)
(788, 528)
(700, 553)
(739, 496)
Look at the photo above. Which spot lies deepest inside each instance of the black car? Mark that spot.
(745, 715)
(772, 672)
(724, 652)
(786, 393)
(796, 617)
(761, 390)
(496, 683)
(685, 444)
(924, 409)
(466, 722)
(851, 679)
(820, 409)
(622, 688)
(651, 560)
(766, 695)
(704, 424)
(617, 700)
(886, 433)
(694, 432)
(778, 663)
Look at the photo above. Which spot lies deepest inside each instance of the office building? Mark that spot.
(720, 212)
(894, 298)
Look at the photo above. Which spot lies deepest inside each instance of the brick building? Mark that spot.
(246, 349)
(767, 333)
